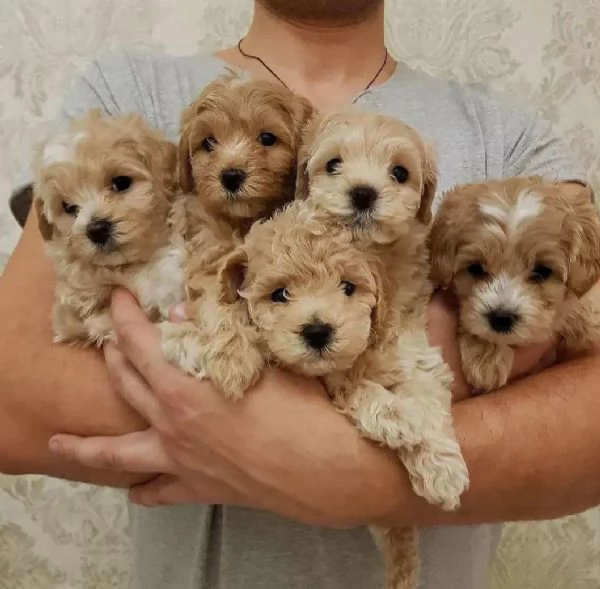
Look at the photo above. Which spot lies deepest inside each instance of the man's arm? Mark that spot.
(47, 388)
(532, 448)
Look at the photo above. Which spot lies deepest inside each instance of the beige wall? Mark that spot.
(546, 52)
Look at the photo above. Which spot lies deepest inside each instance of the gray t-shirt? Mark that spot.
(214, 547)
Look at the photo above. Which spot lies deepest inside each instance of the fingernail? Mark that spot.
(178, 312)
(55, 445)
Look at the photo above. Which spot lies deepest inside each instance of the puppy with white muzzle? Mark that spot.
(105, 197)
(522, 256)
(237, 159)
(324, 307)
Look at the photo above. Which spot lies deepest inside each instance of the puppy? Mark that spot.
(523, 257)
(104, 195)
(375, 178)
(369, 173)
(322, 307)
(238, 156)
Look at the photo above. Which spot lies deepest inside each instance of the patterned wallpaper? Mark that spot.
(543, 52)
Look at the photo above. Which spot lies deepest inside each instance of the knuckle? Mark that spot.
(108, 459)
(125, 333)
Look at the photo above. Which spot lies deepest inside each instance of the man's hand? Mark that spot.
(283, 448)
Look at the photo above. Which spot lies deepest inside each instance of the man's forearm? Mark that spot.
(45, 388)
(533, 450)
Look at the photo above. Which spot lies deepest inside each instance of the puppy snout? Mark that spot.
(502, 321)
(99, 231)
(363, 197)
(317, 335)
(232, 179)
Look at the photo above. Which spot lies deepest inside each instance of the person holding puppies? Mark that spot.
(269, 477)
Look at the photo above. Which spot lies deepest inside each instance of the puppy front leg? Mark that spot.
(69, 326)
(99, 328)
(416, 422)
(486, 366)
(219, 343)
(234, 358)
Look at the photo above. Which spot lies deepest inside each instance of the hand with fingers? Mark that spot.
(282, 448)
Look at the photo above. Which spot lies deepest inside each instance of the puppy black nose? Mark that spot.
(363, 197)
(232, 179)
(99, 231)
(502, 321)
(317, 335)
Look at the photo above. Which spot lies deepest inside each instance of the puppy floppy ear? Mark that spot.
(230, 276)
(312, 130)
(46, 228)
(428, 190)
(584, 257)
(302, 112)
(184, 148)
(443, 239)
(380, 311)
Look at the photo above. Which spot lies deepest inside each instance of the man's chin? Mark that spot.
(323, 12)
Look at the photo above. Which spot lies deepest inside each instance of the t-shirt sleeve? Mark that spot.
(531, 148)
(89, 90)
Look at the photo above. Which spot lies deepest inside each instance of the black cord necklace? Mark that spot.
(270, 70)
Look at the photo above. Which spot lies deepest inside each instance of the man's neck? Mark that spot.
(324, 63)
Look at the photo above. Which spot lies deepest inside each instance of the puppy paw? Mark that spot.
(181, 347)
(486, 366)
(439, 477)
(236, 368)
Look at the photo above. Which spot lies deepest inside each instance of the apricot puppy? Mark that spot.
(327, 308)
(523, 257)
(375, 178)
(237, 159)
(105, 198)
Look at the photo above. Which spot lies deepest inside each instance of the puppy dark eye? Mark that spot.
(70, 209)
(348, 287)
(540, 273)
(208, 144)
(332, 165)
(400, 174)
(476, 270)
(267, 139)
(121, 183)
(280, 295)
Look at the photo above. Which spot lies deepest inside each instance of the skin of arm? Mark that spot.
(532, 449)
(47, 388)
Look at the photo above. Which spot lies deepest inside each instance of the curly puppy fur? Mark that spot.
(523, 257)
(375, 177)
(103, 189)
(328, 308)
(367, 172)
(238, 156)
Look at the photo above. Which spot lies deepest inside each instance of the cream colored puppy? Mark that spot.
(523, 257)
(375, 178)
(237, 157)
(327, 308)
(104, 194)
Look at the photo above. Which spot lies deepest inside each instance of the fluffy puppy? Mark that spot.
(523, 257)
(325, 307)
(238, 158)
(103, 192)
(370, 173)
(375, 178)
